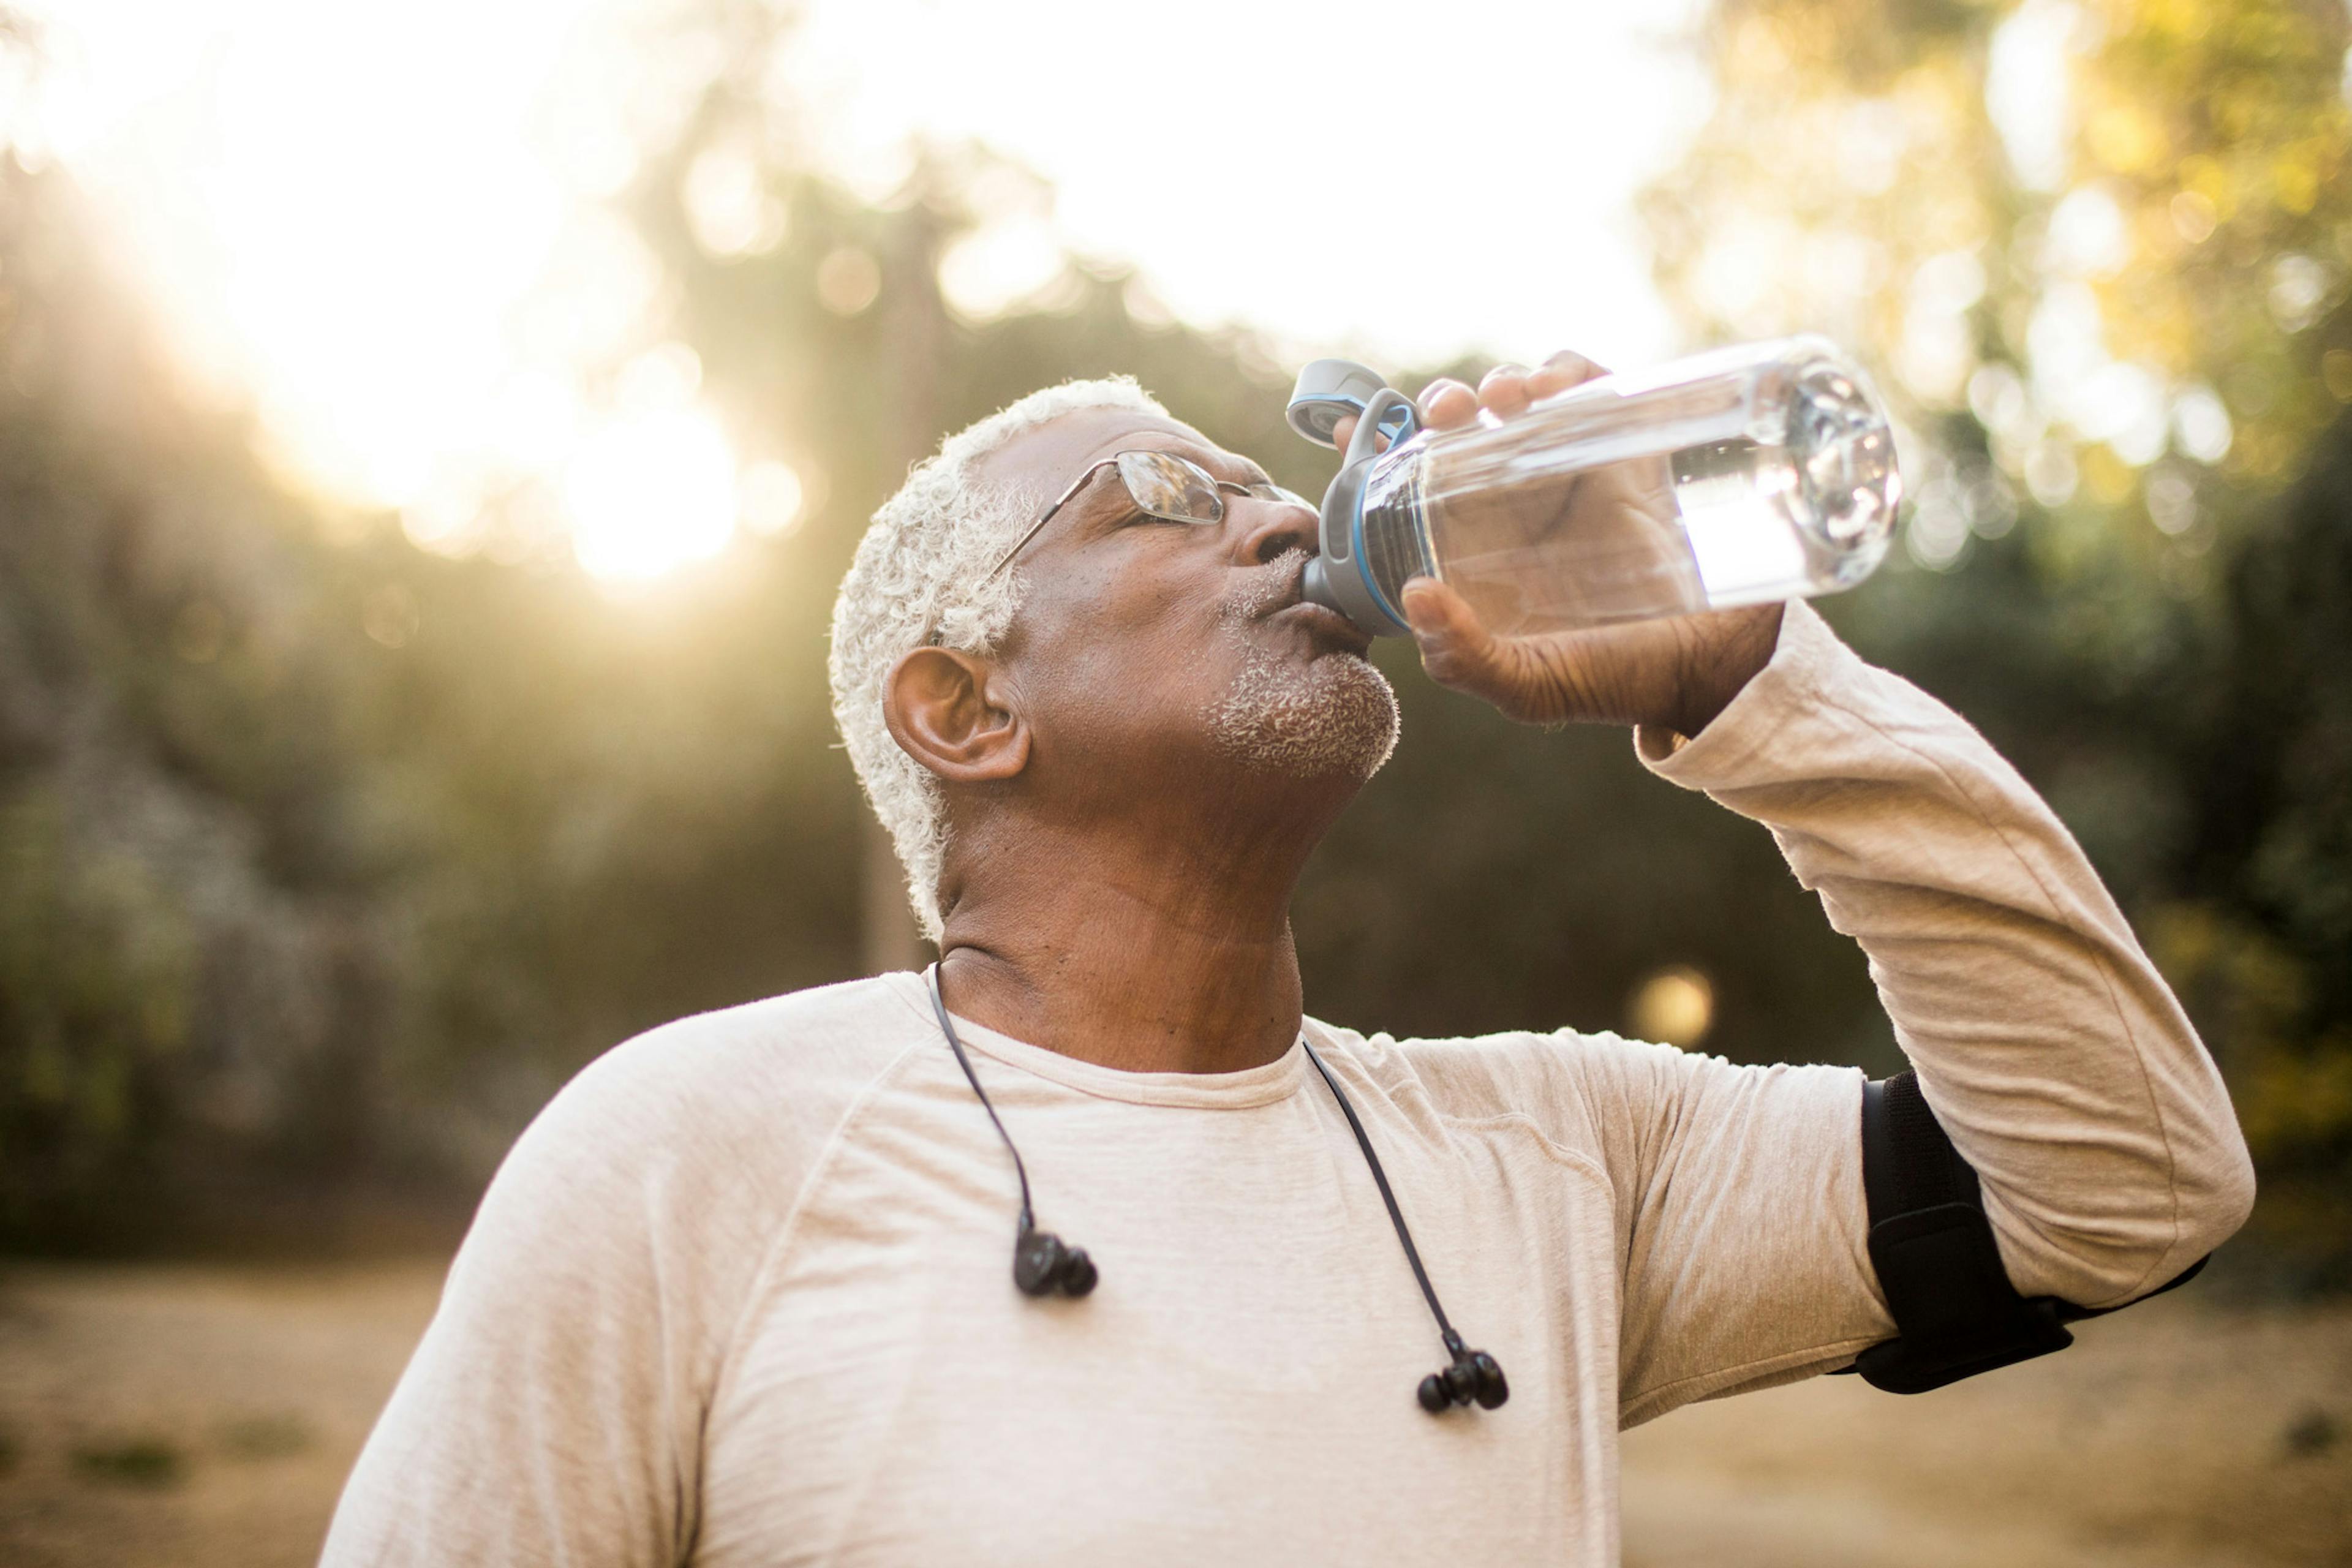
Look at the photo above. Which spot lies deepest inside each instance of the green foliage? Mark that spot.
(156, 1462)
(320, 859)
(95, 983)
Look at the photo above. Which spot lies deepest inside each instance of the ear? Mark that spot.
(944, 712)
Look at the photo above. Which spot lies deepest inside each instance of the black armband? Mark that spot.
(1933, 1249)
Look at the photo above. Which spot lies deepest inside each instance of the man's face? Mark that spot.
(1142, 644)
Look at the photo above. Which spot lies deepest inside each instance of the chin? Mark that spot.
(1334, 717)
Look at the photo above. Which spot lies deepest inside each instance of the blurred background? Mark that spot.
(430, 438)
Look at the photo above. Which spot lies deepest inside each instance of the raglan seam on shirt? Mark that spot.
(1407, 1081)
(1558, 1153)
(867, 1096)
(1728, 1376)
(1410, 1081)
(1554, 1045)
(925, 1013)
(2099, 966)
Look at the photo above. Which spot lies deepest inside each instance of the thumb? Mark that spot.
(1456, 648)
(1345, 431)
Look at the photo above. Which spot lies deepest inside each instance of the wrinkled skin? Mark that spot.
(1135, 777)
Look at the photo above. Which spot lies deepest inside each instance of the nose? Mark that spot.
(1273, 528)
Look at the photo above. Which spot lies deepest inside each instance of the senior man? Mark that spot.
(740, 1294)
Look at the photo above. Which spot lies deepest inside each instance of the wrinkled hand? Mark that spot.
(1678, 672)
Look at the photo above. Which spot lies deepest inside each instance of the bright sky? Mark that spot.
(382, 223)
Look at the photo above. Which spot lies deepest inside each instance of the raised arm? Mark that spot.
(2047, 1044)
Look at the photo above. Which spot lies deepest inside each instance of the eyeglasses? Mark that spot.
(1161, 485)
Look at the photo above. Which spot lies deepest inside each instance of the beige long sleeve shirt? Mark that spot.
(741, 1293)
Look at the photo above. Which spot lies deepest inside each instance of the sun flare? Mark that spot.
(408, 259)
(650, 492)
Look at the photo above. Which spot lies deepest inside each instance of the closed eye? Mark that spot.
(1138, 517)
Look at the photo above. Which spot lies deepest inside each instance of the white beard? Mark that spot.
(1334, 717)
(1338, 716)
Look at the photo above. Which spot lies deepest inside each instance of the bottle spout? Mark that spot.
(1339, 584)
(1315, 585)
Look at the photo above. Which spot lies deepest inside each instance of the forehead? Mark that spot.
(1043, 462)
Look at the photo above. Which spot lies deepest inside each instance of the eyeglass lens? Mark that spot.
(1180, 491)
(1168, 487)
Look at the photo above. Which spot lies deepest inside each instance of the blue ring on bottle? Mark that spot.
(1363, 570)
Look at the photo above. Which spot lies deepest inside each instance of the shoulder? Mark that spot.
(1563, 1074)
(1635, 1108)
(590, 1312)
(747, 1094)
(816, 1042)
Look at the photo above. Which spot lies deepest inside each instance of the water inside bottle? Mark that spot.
(1591, 510)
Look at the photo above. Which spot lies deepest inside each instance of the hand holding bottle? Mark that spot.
(1679, 671)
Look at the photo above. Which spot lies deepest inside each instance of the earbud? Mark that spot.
(1042, 1266)
(1475, 1376)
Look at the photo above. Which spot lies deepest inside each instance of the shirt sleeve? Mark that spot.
(2046, 1043)
(552, 1413)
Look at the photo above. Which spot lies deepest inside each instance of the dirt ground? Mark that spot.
(2175, 1436)
(196, 1416)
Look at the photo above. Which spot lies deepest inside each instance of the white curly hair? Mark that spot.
(922, 572)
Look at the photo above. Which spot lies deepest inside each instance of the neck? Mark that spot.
(1141, 944)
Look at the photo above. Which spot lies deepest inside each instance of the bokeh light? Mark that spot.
(1675, 1006)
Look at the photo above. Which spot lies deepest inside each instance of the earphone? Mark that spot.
(1046, 1265)
(1474, 1374)
(1043, 1263)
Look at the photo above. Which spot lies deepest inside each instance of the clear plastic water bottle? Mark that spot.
(1742, 476)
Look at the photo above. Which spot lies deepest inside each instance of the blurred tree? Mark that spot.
(327, 857)
(179, 961)
(2083, 236)
(323, 856)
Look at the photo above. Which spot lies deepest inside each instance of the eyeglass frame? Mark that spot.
(1216, 487)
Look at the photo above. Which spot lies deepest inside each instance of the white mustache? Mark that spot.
(1267, 589)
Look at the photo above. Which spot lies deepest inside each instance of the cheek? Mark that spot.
(1124, 668)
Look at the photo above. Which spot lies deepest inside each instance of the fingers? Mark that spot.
(1562, 371)
(1445, 402)
(1504, 390)
(1508, 389)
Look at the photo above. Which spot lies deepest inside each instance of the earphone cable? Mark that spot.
(1396, 1215)
(1028, 1220)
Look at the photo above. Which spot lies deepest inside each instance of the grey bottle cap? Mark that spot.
(1326, 392)
(1335, 576)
